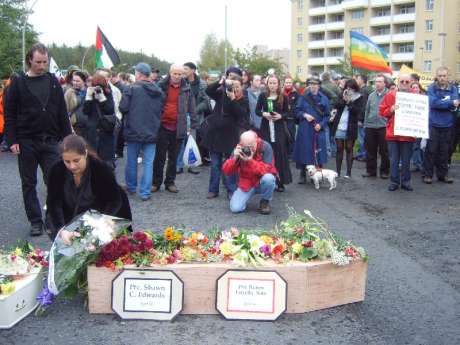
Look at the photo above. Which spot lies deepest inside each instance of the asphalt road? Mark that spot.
(413, 287)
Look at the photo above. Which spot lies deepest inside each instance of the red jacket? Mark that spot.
(385, 111)
(250, 172)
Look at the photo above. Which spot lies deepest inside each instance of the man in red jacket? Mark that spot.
(253, 162)
(400, 148)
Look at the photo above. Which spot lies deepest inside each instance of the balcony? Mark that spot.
(380, 3)
(316, 44)
(340, 42)
(375, 21)
(402, 57)
(336, 26)
(354, 4)
(317, 11)
(398, 2)
(317, 28)
(321, 61)
(381, 39)
(403, 18)
(404, 37)
(334, 8)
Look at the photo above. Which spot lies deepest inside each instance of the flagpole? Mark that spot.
(26, 17)
(84, 57)
(226, 44)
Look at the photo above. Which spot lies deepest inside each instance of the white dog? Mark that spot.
(319, 175)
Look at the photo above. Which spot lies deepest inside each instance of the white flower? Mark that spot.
(102, 228)
(255, 243)
(339, 258)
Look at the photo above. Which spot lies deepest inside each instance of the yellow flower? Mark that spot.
(226, 248)
(297, 248)
(169, 233)
(177, 236)
(18, 252)
(266, 239)
(7, 288)
(194, 236)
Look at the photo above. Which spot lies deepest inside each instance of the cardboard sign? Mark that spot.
(411, 116)
(251, 295)
(147, 294)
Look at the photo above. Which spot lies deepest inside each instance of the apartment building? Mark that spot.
(282, 55)
(423, 34)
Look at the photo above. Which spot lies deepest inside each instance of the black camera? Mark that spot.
(246, 151)
(98, 89)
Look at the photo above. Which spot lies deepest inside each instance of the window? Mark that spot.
(383, 12)
(336, 18)
(299, 21)
(335, 35)
(358, 14)
(316, 53)
(299, 53)
(318, 20)
(385, 48)
(427, 66)
(359, 29)
(335, 2)
(406, 28)
(429, 5)
(317, 36)
(299, 37)
(406, 48)
(299, 69)
(333, 52)
(428, 45)
(406, 9)
(382, 30)
(429, 25)
(300, 4)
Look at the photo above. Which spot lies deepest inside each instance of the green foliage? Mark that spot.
(12, 15)
(212, 55)
(250, 60)
(85, 58)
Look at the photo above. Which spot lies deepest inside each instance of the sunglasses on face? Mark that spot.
(405, 81)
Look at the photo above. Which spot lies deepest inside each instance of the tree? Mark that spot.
(12, 15)
(250, 60)
(212, 54)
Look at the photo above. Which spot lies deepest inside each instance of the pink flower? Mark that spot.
(139, 236)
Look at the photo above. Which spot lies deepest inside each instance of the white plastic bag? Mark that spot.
(192, 157)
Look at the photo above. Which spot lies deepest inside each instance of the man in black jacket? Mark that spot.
(36, 120)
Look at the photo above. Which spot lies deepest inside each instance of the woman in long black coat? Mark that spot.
(350, 110)
(99, 98)
(273, 106)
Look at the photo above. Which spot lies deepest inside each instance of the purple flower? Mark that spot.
(46, 297)
(265, 249)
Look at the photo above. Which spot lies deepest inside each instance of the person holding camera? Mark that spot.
(229, 119)
(350, 110)
(100, 109)
(252, 161)
(273, 107)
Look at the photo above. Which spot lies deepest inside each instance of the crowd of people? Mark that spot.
(249, 128)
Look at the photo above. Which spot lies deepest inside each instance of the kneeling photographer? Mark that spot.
(100, 109)
(252, 161)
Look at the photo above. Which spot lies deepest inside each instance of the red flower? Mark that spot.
(139, 236)
(350, 251)
(148, 243)
(308, 244)
(171, 259)
(278, 249)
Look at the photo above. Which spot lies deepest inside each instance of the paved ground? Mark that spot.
(413, 292)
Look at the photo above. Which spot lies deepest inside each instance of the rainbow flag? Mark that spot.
(367, 55)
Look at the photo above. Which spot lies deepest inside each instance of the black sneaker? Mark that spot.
(36, 229)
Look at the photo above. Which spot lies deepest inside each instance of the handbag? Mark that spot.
(106, 123)
(287, 133)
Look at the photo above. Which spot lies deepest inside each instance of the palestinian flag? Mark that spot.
(106, 55)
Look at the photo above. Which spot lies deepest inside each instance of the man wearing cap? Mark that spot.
(141, 106)
(179, 102)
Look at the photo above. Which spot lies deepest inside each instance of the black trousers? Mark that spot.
(375, 143)
(437, 152)
(167, 143)
(34, 153)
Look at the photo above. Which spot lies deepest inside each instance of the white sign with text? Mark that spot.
(411, 115)
(251, 295)
(151, 295)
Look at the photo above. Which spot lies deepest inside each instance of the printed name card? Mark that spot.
(251, 295)
(147, 294)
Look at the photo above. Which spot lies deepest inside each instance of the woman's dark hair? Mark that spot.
(99, 80)
(81, 74)
(352, 84)
(75, 143)
(249, 75)
(37, 47)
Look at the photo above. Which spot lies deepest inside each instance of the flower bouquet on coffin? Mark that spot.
(68, 261)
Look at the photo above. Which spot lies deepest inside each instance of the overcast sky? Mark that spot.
(170, 29)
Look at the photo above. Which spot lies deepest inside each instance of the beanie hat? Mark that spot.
(143, 68)
(190, 65)
(235, 70)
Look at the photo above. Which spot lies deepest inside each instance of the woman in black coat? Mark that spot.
(98, 103)
(350, 110)
(80, 182)
(273, 106)
(229, 119)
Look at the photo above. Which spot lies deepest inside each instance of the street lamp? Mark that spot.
(26, 16)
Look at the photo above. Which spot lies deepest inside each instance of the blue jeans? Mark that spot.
(180, 156)
(361, 151)
(400, 151)
(265, 189)
(216, 172)
(417, 155)
(133, 149)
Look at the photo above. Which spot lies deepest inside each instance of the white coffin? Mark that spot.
(15, 307)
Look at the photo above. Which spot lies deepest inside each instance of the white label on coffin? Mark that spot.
(247, 295)
(147, 295)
